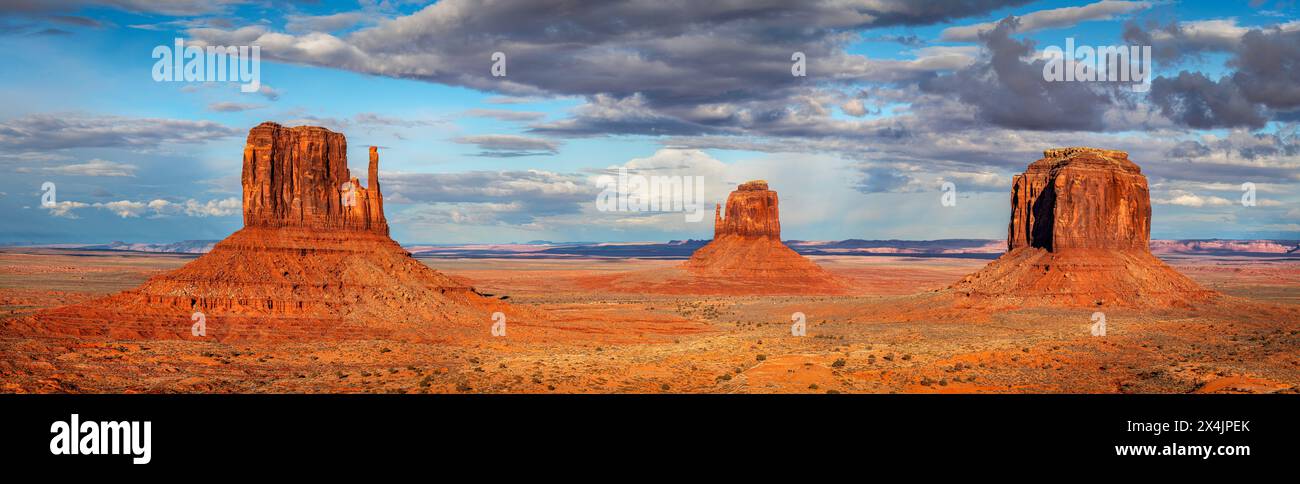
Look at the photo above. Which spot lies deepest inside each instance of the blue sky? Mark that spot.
(704, 92)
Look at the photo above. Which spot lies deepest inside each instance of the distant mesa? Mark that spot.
(314, 260)
(1079, 236)
(185, 246)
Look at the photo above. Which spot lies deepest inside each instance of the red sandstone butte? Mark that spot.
(314, 260)
(1079, 234)
(298, 177)
(1083, 198)
(747, 246)
(752, 211)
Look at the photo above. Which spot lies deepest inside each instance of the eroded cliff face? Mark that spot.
(1080, 198)
(1078, 236)
(298, 177)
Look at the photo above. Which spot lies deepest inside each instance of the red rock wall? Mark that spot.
(1080, 198)
(295, 177)
(751, 212)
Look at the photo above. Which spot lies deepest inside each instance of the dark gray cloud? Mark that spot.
(1189, 149)
(1192, 99)
(673, 57)
(1010, 92)
(64, 131)
(1268, 68)
(1048, 19)
(161, 7)
(1178, 41)
(1266, 84)
(904, 12)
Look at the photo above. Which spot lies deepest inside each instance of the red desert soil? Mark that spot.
(305, 309)
(616, 342)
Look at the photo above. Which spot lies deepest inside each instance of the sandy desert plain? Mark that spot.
(597, 338)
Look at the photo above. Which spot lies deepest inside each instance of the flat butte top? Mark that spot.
(1084, 157)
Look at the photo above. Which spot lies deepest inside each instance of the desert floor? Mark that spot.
(605, 342)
